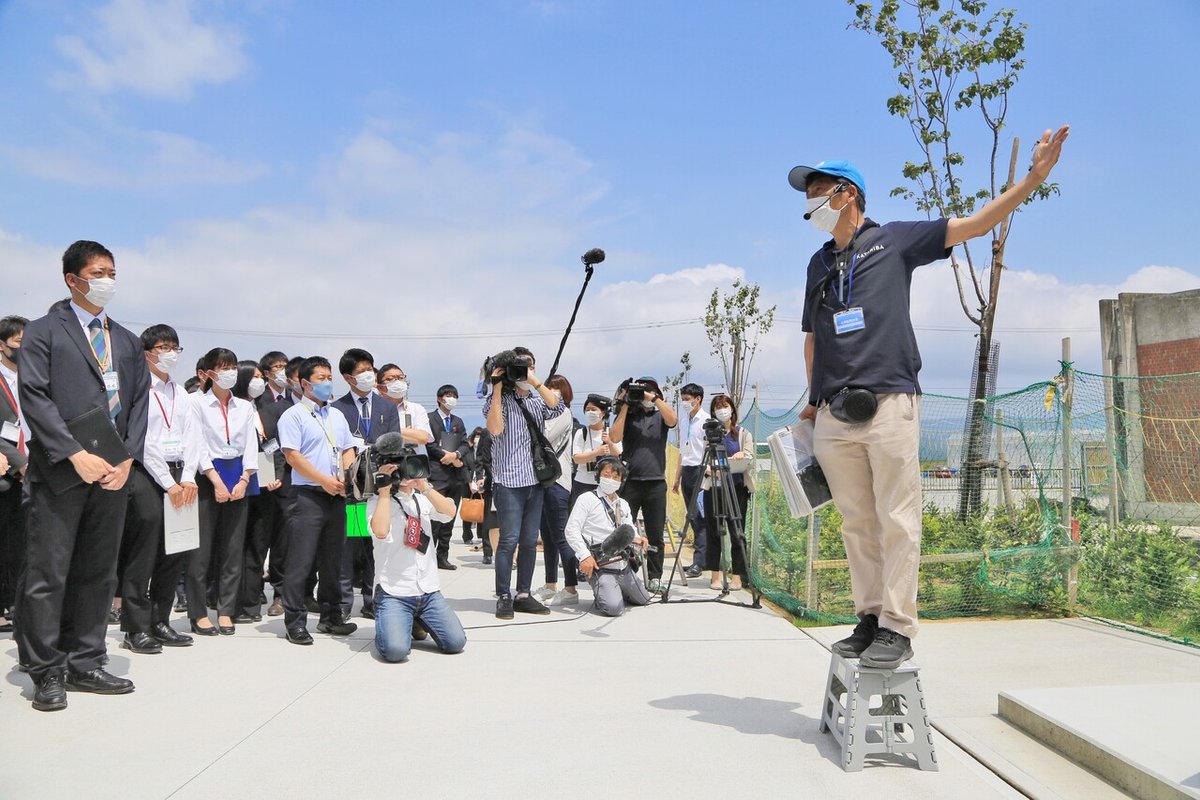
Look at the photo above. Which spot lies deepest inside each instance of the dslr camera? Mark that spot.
(364, 476)
(515, 366)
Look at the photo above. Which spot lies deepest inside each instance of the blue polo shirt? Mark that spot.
(316, 432)
(873, 273)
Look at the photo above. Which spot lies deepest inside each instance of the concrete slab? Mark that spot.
(667, 698)
(1142, 737)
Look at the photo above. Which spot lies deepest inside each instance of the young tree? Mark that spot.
(734, 323)
(953, 60)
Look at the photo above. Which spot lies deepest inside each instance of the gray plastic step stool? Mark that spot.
(872, 711)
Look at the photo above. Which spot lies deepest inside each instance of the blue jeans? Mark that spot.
(394, 621)
(519, 512)
(554, 543)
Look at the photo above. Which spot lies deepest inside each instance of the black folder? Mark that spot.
(96, 434)
(450, 440)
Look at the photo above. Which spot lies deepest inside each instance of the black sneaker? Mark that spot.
(864, 633)
(529, 605)
(504, 607)
(336, 626)
(888, 651)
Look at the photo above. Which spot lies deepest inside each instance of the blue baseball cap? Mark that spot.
(798, 177)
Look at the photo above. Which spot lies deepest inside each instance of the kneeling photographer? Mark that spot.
(407, 589)
(642, 422)
(591, 530)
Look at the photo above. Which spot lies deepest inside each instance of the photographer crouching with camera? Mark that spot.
(407, 588)
(608, 560)
(523, 463)
(643, 419)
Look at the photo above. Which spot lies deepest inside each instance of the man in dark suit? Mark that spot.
(13, 460)
(447, 465)
(369, 417)
(271, 406)
(75, 360)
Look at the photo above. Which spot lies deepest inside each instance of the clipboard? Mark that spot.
(181, 526)
(95, 433)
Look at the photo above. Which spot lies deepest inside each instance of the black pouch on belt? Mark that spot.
(853, 405)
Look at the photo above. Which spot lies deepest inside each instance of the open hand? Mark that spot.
(1047, 151)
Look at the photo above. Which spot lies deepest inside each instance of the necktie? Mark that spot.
(100, 348)
(447, 424)
(365, 414)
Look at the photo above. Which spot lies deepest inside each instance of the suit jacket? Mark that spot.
(60, 380)
(384, 416)
(16, 459)
(270, 413)
(439, 475)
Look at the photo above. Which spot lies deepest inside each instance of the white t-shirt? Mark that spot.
(404, 571)
(587, 440)
(558, 433)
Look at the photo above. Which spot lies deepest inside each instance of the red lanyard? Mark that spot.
(167, 419)
(225, 413)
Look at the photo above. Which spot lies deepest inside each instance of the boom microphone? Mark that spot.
(593, 256)
(617, 541)
(841, 187)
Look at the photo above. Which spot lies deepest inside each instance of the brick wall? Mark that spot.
(1171, 409)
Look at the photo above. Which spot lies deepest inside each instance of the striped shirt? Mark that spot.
(512, 453)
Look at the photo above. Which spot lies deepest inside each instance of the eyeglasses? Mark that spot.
(166, 348)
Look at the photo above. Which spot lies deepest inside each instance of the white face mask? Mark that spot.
(397, 390)
(364, 381)
(280, 378)
(256, 387)
(821, 213)
(168, 360)
(609, 485)
(593, 417)
(100, 291)
(648, 405)
(449, 401)
(724, 414)
(525, 386)
(226, 378)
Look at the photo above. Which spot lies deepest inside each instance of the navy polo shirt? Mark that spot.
(873, 273)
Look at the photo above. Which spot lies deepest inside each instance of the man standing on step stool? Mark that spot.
(862, 360)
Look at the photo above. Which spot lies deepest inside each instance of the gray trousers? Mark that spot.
(613, 590)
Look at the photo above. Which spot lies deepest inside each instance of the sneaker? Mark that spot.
(336, 626)
(114, 616)
(694, 571)
(528, 605)
(655, 586)
(544, 593)
(854, 644)
(564, 598)
(888, 651)
(504, 607)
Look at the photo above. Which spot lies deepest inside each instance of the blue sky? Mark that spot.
(382, 170)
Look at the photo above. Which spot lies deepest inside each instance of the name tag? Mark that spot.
(269, 446)
(172, 448)
(229, 451)
(10, 431)
(111, 383)
(849, 320)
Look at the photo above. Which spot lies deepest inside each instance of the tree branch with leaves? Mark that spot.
(734, 324)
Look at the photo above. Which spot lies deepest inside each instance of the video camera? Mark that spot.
(515, 366)
(635, 390)
(364, 476)
(714, 431)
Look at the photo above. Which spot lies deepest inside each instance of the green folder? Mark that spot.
(356, 520)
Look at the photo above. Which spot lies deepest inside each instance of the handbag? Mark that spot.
(471, 509)
(546, 467)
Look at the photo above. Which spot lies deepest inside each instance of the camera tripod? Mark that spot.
(728, 515)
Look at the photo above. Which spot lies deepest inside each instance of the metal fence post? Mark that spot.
(1068, 387)
(810, 572)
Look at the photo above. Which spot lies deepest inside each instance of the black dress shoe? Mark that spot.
(694, 571)
(50, 694)
(244, 619)
(487, 559)
(114, 616)
(169, 637)
(97, 681)
(444, 563)
(312, 606)
(141, 642)
(336, 626)
(299, 635)
(209, 631)
(368, 613)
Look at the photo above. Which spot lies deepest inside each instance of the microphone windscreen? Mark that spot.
(618, 540)
(593, 256)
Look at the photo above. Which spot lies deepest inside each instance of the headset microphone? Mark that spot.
(841, 187)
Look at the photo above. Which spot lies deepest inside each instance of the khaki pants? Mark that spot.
(874, 474)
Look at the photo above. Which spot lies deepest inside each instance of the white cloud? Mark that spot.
(131, 159)
(159, 49)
